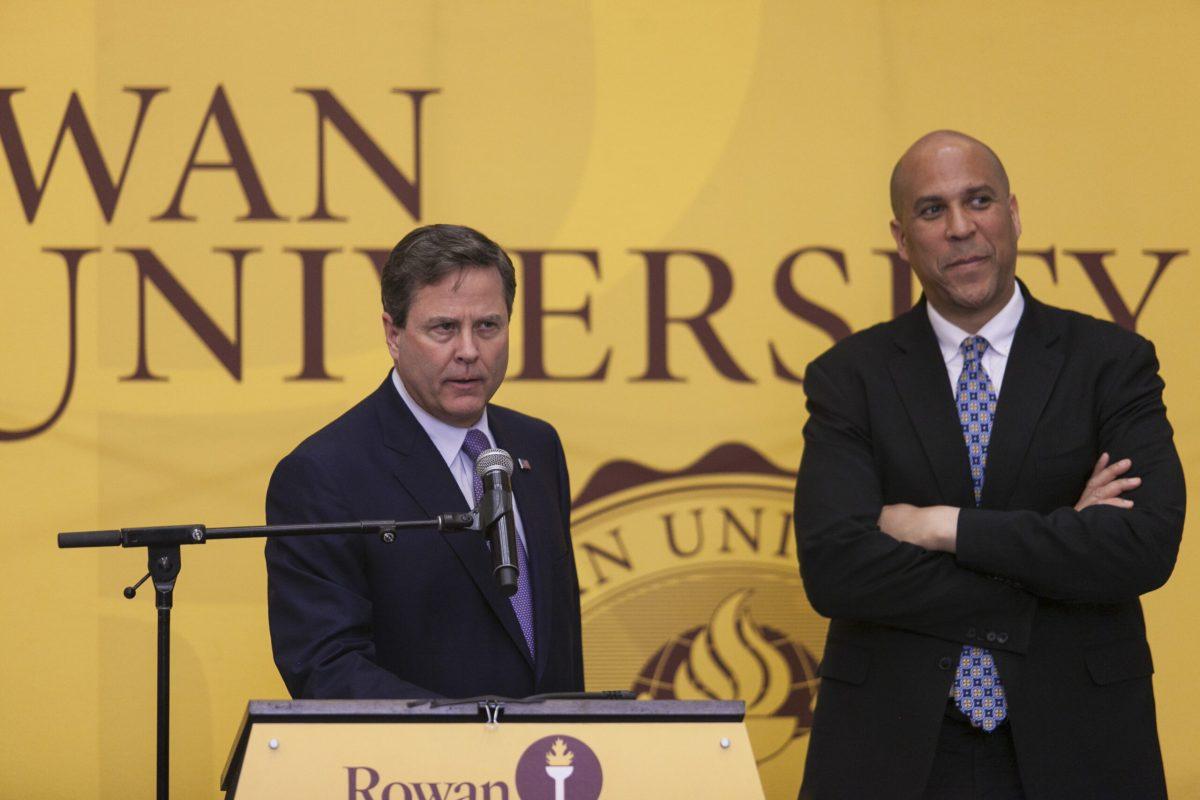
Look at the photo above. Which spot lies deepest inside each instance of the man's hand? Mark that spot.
(932, 527)
(1106, 485)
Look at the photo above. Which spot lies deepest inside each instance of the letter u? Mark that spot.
(72, 258)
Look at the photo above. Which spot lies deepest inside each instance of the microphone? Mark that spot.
(496, 516)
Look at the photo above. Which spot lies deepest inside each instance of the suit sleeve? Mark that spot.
(1101, 554)
(854, 571)
(319, 602)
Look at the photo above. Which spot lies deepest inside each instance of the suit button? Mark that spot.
(1001, 637)
(945, 663)
(970, 633)
(991, 636)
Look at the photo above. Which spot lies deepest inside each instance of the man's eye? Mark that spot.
(981, 201)
(930, 211)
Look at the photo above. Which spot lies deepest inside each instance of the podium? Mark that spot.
(491, 749)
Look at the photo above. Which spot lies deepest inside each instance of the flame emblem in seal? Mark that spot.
(734, 658)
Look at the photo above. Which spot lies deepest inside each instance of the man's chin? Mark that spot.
(463, 414)
(976, 294)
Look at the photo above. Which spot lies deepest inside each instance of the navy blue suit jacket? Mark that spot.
(353, 617)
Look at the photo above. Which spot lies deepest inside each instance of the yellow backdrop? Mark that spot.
(194, 195)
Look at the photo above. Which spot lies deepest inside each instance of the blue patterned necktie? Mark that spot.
(522, 601)
(977, 690)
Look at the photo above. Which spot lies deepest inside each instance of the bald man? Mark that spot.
(988, 486)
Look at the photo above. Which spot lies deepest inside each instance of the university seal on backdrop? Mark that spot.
(690, 590)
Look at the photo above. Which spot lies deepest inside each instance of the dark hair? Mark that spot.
(430, 253)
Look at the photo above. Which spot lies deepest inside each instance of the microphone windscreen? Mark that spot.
(493, 459)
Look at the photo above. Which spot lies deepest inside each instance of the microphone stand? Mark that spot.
(162, 545)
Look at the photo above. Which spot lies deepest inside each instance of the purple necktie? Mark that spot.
(522, 602)
(977, 690)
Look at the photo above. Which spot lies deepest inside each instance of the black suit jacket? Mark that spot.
(1051, 591)
(353, 617)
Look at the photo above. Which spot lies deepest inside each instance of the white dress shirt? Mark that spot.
(448, 439)
(999, 332)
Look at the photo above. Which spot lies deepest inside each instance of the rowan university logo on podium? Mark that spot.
(690, 590)
(559, 768)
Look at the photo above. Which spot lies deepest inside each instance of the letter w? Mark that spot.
(435, 791)
(74, 120)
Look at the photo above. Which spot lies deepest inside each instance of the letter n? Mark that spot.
(228, 350)
(501, 787)
(407, 192)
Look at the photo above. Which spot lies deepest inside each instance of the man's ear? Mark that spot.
(391, 333)
(1016, 214)
(898, 235)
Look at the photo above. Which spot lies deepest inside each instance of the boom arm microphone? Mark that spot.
(494, 466)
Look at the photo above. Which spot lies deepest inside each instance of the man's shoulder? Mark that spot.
(871, 347)
(1085, 331)
(520, 425)
(348, 433)
(331, 473)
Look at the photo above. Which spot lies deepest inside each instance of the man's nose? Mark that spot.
(959, 224)
(468, 347)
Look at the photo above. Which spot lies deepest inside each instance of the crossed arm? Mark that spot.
(936, 527)
(1105, 548)
(931, 569)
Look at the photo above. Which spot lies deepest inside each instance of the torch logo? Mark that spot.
(559, 768)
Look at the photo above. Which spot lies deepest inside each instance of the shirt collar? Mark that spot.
(447, 438)
(999, 331)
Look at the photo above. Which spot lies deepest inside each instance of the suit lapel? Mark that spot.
(418, 467)
(534, 522)
(415, 462)
(919, 373)
(1033, 366)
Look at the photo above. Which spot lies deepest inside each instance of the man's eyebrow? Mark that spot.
(970, 190)
(927, 198)
(435, 321)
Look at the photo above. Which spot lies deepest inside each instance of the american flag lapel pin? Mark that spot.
(524, 464)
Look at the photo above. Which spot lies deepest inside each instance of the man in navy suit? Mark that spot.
(354, 617)
(988, 486)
